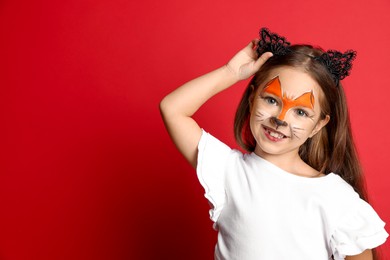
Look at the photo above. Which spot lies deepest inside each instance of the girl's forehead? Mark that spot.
(294, 82)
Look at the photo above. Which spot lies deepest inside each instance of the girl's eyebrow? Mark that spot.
(274, 87)
(304, 100)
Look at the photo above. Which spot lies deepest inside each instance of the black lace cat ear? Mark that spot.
(272, 42)
(339, 64)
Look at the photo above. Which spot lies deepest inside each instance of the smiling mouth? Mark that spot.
(273, 133)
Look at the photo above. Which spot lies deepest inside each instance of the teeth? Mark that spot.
(276, 135)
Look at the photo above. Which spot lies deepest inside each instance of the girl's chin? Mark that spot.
(275, 150)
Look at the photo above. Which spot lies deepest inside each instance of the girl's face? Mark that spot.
(285, 112)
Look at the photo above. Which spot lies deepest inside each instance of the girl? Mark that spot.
(298, 193)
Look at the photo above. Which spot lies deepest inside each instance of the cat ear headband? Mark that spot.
(338, 64)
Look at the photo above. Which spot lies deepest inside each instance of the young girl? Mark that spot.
(298, 193)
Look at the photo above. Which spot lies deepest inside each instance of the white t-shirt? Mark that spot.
(262, 212)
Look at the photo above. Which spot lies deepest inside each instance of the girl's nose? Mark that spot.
(277, 122)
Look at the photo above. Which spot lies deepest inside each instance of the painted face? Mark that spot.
(285, 112)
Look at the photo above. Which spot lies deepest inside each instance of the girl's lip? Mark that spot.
(273, 130)
(267, 133)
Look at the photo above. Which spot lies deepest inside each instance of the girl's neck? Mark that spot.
(290, 162)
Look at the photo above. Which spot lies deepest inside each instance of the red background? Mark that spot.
(87, 168)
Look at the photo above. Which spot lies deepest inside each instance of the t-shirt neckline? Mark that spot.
(290, 175)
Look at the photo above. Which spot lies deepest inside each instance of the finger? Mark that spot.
(250, 49)
(249, 46)
(254, 43)
(262, 59)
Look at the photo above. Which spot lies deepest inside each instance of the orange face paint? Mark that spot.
(274, 88)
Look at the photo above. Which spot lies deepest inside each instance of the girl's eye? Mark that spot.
(301, 112)
(271, 100)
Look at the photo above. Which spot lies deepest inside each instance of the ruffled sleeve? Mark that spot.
(358, 231)
(213, 156)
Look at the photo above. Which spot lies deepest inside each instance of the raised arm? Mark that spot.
(178, 107)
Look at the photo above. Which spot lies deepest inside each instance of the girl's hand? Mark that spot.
(246, 62)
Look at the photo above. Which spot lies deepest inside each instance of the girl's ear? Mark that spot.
(320, 124)
(251, 97)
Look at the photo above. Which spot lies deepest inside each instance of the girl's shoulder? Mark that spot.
(339, 185)
(344, 204)
(339, 192)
